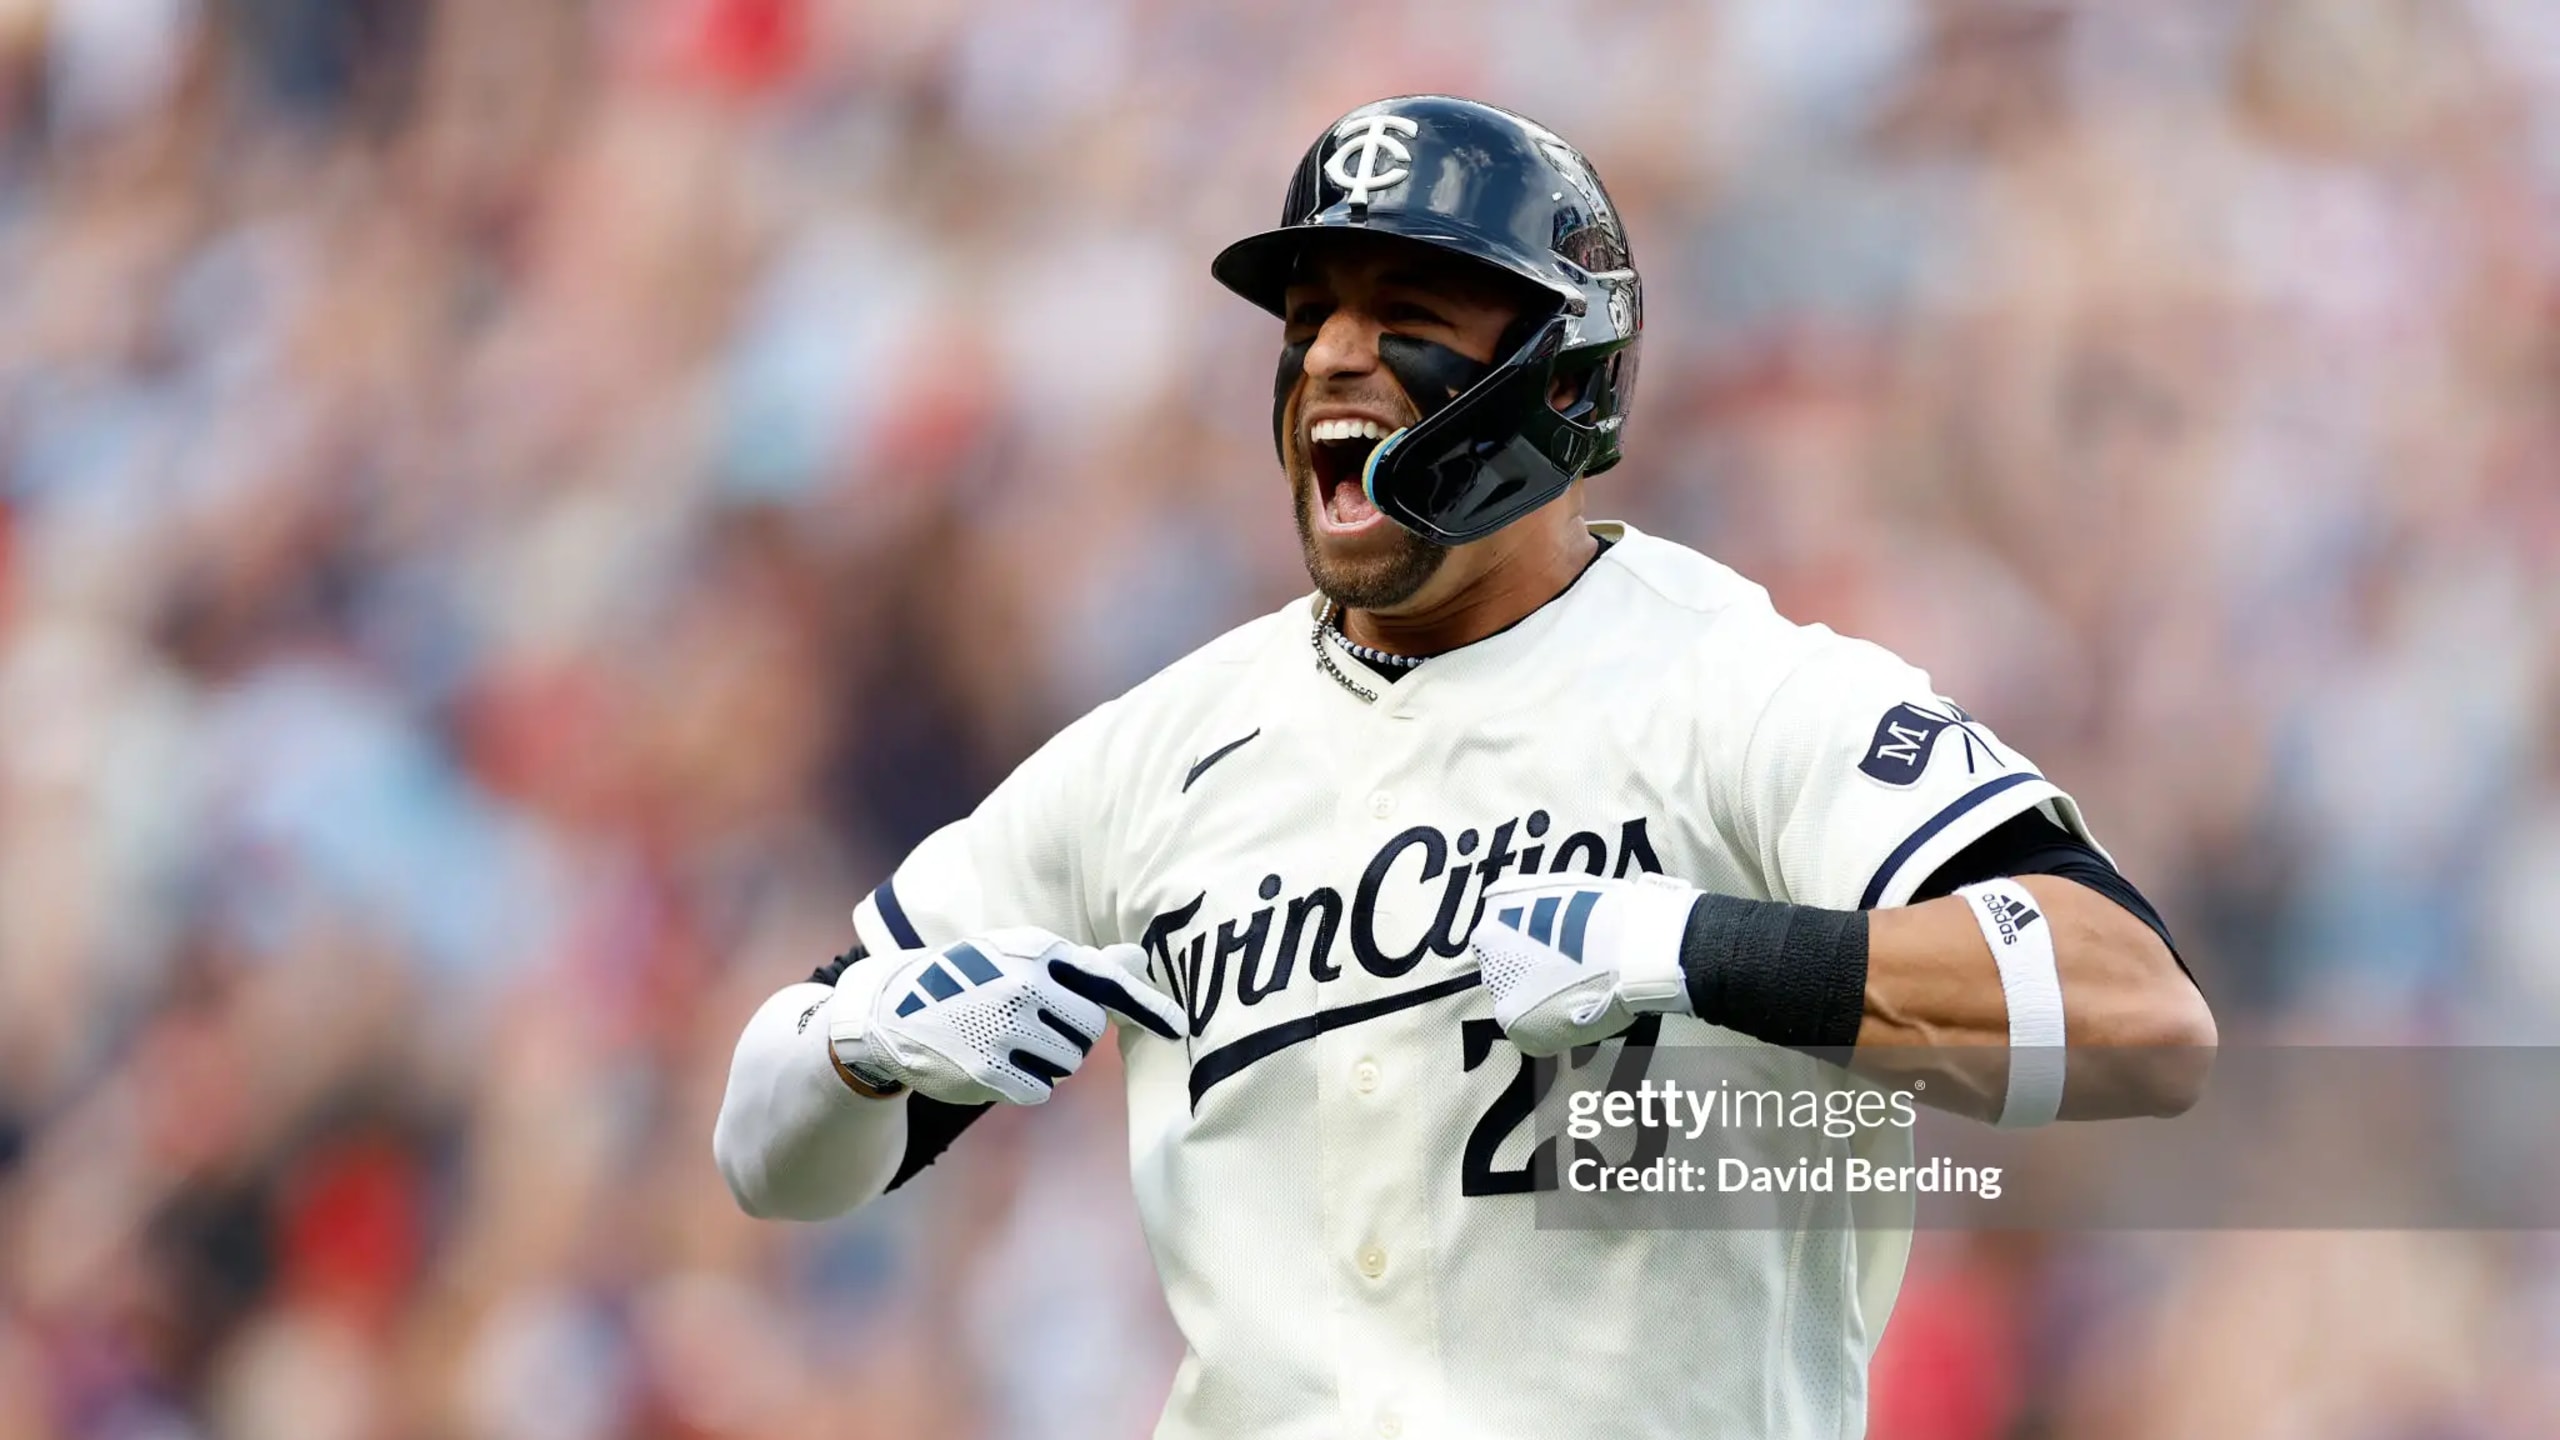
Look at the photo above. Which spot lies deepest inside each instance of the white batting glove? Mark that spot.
(1000, 1016)
(1573, 960)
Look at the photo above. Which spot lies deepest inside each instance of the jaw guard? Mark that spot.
(1487, 457)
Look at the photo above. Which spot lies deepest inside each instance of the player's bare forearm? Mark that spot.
(2084, 994)
(1932, 983)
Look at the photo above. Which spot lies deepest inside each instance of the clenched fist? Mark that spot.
(1573, 960)
(1000, 1016)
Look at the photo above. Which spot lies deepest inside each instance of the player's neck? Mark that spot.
(1486, 600)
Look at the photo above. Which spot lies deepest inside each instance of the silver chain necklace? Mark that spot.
(1326, 622)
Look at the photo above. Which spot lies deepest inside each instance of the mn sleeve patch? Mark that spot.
(1900, 750)
(1908, 734)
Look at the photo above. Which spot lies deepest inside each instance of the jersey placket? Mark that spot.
(1373, 1101)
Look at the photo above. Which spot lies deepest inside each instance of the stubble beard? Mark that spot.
(1375, 581)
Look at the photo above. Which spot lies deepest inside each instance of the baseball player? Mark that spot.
(1510, 782)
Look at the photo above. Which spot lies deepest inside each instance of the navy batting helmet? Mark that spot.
(1501, 190)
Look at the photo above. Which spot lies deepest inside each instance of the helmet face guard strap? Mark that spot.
(1484, 459)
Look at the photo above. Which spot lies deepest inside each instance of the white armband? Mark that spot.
(2021, 940)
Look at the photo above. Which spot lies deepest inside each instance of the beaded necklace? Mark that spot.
(1329, 624)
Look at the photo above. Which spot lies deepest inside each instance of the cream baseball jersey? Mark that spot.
(1333, 1166)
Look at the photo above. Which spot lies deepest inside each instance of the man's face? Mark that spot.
(1356, 288)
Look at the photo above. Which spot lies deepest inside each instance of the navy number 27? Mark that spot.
(1478, 1041)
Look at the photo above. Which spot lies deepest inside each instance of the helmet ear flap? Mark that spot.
(1582, 387)
(1607, 393)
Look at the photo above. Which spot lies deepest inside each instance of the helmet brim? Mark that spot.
(1261, 267)
(1258, 267)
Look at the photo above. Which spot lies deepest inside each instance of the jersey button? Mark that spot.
(1373, 1262)
(1364, 1076)
(1390, 1425)
(1382, 804)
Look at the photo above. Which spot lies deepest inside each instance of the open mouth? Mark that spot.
(1338, 451)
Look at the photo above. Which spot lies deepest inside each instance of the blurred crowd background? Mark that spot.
(513, 513)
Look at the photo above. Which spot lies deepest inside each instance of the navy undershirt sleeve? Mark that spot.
(2031, 844)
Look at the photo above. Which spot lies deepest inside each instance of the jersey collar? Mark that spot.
(1511, 645)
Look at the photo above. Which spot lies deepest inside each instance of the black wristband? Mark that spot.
(1791, 975)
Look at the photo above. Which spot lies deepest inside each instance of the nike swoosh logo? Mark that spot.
(1212, 758)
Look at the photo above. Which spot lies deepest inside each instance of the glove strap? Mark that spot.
(861, 1084)
(858, 986)
(1655, 916)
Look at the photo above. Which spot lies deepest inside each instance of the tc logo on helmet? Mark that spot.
(1363, 138)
